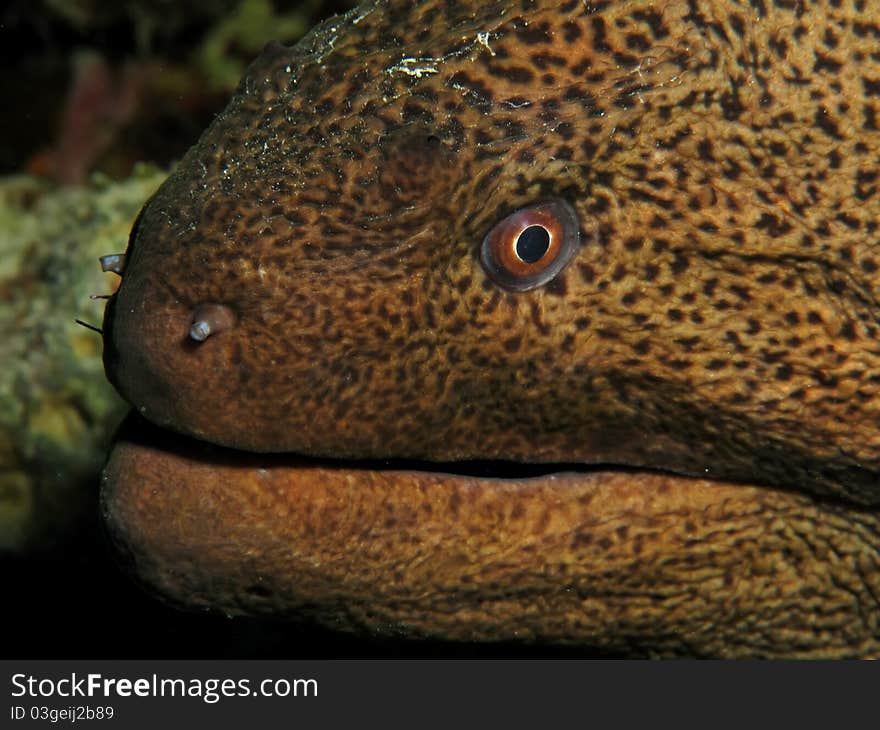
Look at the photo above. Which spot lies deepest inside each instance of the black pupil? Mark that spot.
(532, 244)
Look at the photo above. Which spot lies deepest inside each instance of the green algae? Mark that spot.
(247, 29)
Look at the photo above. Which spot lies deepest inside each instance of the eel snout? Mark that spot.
(149, 343)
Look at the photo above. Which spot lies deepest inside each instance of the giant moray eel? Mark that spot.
(575, 234)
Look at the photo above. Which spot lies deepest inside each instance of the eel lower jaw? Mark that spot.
(621, 561)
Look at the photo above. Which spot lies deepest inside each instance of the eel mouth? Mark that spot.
(624, 561)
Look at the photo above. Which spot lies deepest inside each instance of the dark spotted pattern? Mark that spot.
(718, 319)
(722, 156)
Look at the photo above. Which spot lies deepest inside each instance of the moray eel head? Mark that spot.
(604, 233)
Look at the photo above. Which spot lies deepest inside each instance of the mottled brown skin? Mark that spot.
(631, 564)
(719, 320)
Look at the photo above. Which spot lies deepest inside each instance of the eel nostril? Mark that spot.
(114, 262)
(210, 319)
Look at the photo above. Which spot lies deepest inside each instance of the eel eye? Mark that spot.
(531, 246)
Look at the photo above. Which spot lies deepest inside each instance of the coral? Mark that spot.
(57, 411)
